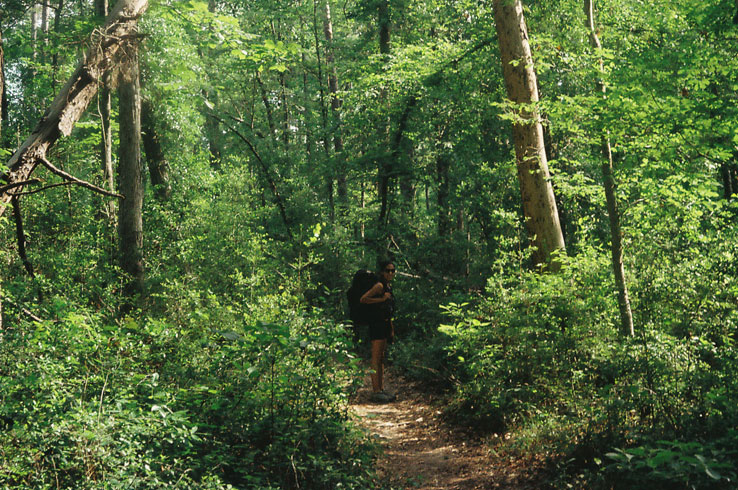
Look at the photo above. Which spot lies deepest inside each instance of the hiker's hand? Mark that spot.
(387, 296)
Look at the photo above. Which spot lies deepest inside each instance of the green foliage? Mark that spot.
(236, 369)
(671, 464)
(150, 404)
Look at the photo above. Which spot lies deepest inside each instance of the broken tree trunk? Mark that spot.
(72, 101)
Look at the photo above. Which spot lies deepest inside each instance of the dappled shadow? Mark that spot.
(422, 452)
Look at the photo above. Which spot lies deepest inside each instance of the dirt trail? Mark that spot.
(422, 452)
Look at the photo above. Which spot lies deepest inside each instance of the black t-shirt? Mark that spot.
(387, 308)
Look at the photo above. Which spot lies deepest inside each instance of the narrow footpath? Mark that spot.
(423, 452)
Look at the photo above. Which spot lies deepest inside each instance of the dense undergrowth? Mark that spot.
(538, 357)
(146, 403)
(218, 380)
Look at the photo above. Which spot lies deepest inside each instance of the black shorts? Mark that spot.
(380, 330)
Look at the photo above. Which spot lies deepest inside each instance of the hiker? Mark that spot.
(381, 329)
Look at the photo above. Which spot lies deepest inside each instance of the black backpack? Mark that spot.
(362, 282)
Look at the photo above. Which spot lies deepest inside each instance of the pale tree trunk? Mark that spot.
(73, 99)
(34, 32)
(539, 203)
(130, 176)
(44, 29)
(616, 247)
(105, 107)
(336, 104)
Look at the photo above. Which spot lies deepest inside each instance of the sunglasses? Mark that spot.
(392, 271)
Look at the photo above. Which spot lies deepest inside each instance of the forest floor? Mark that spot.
(422, 451)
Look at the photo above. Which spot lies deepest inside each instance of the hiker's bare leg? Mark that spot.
(378, 347)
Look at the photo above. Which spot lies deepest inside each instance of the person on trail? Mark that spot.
(381, 328)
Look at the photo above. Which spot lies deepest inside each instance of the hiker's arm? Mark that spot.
(371, 296)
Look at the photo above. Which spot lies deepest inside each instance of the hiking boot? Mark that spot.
(380, 397)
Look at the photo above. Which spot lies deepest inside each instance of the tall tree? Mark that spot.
(616, 234)
(336, 102)
(324, 113)
(386, 166)
(155, 158)
(130, 175)
(104, 106)
(73, 99)
(57, 31)
(2, 84)
(539, 203)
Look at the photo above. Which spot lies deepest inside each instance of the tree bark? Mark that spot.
(539, 203)
(130, 176)
(155, 158)
(75, 96)
(384, 27)
(34, 31)
(444, 213)
(616, 247)
(44, 29)
(324, 118)
(105, 108)
(725, 173)
(336, 104)
(267, 107)
(55, 56)
(386, 167)
(2, 86)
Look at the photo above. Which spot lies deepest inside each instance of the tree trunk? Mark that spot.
(725, 173)
(44, 29)
(106, 144)
(34, 32)
(130, 176)
(75, 96)
(307, 119)
(626, 315)
(539, 203)
(444, 213)
(57, 30)
(2, 87)
(267, 107)
(329, 173)
(336, 104)
(155, 158)
(384, 27)
(386, 166)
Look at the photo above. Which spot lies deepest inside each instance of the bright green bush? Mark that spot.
(149, 404)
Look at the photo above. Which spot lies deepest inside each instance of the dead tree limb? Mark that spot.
(21, 237)
(71, 178)
(104, 53)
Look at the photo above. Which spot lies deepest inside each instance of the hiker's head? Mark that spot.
(387, 270)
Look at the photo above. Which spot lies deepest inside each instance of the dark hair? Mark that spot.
(384, 263)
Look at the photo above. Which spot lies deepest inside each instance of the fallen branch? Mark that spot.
(8, 187)
(104, 54)
(44, 188)
(71, 178)
(31, 315)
